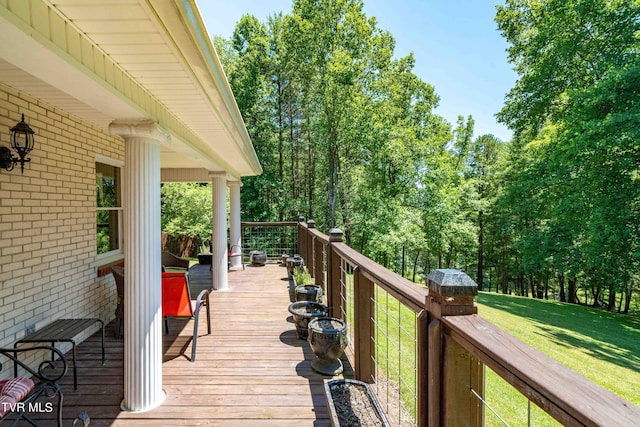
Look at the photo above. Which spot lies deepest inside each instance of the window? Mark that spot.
(108, 209)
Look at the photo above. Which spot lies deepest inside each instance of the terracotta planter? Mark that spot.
(303, 312)
(328, 339)
(351, 403)
(308, 293)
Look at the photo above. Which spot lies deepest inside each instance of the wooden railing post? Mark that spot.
(301, 237)
(363, 327)
(452, 371)
(333, 275)
(318, 267)
(309, 248)
(423, 369)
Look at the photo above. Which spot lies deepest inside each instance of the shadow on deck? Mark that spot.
(252, 370)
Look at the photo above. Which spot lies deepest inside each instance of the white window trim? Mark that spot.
(117, 254)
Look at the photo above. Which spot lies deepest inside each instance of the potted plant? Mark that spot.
(304, 288)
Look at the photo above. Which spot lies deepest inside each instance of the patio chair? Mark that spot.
(236, 252)
(118, 275)
(18, 394)
(173, 262)
(176, 302)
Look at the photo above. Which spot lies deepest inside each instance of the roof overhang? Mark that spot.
(130, 60)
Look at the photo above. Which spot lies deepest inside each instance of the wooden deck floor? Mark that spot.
(251, 371)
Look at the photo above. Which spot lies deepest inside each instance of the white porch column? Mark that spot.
(219, 274)
(143, 291)
(235, 238)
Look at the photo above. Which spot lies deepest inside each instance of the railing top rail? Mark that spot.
(566, 395)
(407, 292)
(323, 238)
(269, 224)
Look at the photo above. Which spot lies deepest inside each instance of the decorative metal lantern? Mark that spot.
(21, 142)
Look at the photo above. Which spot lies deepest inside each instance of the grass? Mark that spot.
(604, 347)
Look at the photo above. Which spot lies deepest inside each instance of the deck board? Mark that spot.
(251, 371)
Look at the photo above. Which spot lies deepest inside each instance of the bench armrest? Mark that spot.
(47, 371)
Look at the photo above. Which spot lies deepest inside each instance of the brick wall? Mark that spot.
(47, 220)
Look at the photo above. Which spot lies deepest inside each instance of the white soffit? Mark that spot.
(134, 59)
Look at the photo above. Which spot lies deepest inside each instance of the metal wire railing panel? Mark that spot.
(515, 411)
(394, 339)
(395, 358)
(275, 240)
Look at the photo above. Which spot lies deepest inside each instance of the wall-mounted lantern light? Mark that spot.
(21, 142)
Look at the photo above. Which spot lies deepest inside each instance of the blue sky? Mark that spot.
(457, 47)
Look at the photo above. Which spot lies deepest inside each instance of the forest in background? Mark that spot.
(347, 136)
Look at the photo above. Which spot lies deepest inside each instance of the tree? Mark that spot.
(187, 211)
(569, 194)
(484, 165)
(557, 45)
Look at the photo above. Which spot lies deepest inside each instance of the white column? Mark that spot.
(143, 290)
(219, 274)
(235, 238)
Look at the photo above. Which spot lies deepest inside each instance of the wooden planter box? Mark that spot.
(351, 402)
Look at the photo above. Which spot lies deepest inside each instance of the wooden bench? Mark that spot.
(62, 330)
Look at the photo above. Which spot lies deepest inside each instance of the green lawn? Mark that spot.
(602, 346)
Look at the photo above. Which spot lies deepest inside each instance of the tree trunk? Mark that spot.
(480, 273)
(546, 288)
(563, 297)
(627, 298)
(449, 255)
(611, 304)
(404, 254)
(573, 284)
(312, 172)
(333, 189)
(415, 266)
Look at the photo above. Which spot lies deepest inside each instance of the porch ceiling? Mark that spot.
(104, 60)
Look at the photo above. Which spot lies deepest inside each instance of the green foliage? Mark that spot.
(346, 134)
(302, 276)
(187, 210)
(569, 208)
(558, 45)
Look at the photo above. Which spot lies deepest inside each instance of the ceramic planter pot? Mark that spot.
(293, 262)
(284, 259)
(305, 311)
(258, 257)
(328, 339)
(309, 293)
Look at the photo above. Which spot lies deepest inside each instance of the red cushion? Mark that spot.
(12, 391)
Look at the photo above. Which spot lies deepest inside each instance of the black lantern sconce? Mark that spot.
(22, 142)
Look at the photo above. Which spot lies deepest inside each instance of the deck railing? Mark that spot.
(426, 350)
(274, 238)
